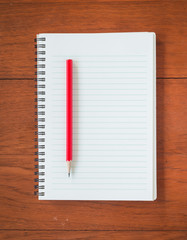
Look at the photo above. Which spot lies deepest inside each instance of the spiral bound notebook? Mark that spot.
(114, 116)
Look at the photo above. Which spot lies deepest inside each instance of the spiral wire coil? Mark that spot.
(40, 117)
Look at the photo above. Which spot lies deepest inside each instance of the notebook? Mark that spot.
(114, 116)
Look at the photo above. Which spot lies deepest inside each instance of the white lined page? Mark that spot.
(113, 121)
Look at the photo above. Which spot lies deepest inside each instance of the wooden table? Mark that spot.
(22, 216)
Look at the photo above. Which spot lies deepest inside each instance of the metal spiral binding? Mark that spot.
(40, 117)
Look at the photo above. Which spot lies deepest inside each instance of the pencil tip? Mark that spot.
(68, 174)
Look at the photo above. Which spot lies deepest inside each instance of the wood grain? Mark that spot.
(20, 21)
(17, 108)
(93, 235)
(21, 210)
(22, 216)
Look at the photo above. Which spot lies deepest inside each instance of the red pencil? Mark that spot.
(69, 76)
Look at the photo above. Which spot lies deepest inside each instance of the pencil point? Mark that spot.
(68, 167)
